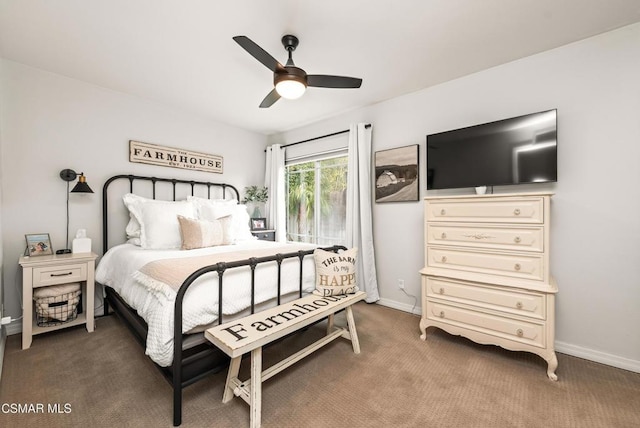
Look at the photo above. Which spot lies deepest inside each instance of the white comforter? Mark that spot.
(200, 305)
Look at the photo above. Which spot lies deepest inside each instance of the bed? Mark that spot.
(167, 296)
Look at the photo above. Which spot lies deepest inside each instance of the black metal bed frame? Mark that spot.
(191, 361)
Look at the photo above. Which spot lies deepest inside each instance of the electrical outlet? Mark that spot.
(401, 284)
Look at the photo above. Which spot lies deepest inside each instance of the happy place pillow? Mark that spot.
(335, 272)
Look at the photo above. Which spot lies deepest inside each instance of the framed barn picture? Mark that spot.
(397, 174)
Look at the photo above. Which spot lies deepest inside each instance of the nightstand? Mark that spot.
(265, 235)
(42, 271)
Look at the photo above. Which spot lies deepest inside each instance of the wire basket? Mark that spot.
(57, 304)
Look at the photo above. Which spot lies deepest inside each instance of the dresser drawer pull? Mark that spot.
(516, 211)
(520, 333)
(519, 305)
(441, 291)
(517, 266)
(517, 240)
(62, 274)
(443, 212)
(444, 259)
(444, 235)
(441, 314)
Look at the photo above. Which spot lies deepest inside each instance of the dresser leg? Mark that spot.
(552, 365)
(423, 327)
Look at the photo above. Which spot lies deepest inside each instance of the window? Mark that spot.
(317, 200)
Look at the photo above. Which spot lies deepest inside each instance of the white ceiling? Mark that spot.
(180, 53)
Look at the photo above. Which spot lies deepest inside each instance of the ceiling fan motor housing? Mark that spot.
(290, 73)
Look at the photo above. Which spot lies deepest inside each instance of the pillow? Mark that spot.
(133, 227)
(203, 233)
(159, 227)
(213, 209)
(335, 272)
(241, 229)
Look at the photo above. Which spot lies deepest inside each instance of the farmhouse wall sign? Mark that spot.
(154, 154)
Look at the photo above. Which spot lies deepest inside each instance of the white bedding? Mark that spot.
(200, 305)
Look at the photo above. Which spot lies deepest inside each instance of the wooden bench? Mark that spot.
(251, 333)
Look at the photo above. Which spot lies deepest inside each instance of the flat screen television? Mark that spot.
(518, 150)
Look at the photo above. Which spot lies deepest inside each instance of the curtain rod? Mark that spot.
(368, 125)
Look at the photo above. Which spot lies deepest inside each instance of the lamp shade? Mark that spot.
(290, 89)
(81, 186)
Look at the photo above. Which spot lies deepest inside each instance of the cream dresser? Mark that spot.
(486, 274)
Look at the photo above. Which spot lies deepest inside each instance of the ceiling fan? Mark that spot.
(291, 81)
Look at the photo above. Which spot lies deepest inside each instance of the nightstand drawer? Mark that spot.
(52, 275)
(265, 235)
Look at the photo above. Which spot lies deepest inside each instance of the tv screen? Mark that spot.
(519, 150)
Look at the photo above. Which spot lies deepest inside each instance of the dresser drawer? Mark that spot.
(512, 210)
(482, 236)
(529, 304)
(507, 328)
(524, 266)
(52, 275)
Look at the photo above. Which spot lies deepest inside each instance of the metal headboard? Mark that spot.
(154, 181)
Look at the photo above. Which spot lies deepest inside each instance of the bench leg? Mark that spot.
(352, 330)
(330, 324)
(256, 388)
(234, 368)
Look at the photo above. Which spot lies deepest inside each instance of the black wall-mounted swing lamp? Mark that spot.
(80, 187)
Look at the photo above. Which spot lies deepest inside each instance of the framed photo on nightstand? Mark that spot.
(258, 223)
(38, 244)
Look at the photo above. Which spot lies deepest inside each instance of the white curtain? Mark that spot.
(274, 181)
(359, 219)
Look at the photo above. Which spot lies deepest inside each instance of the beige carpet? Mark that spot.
(105, 380)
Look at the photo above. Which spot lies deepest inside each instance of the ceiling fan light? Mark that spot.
(290, 89)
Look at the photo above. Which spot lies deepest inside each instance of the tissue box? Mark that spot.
(81, 245)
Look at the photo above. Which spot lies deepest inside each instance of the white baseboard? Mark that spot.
(14, 328)
(598, 356)
(405, 307)
(562, 347)
(3, 343)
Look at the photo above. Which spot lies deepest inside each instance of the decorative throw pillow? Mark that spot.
(335, 272)
(202, 233)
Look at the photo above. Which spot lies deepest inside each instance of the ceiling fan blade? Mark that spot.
(271, 98)
(326, 81)
(258, 53)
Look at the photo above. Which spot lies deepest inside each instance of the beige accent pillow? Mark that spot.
(203, 233)
(335, 272)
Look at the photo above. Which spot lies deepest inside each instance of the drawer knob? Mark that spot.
(516, 211)
(62, 274)
(443, 212)
(520, 333)
(441, 291)
(444, 259)
(441, 314)
(517, 266)
(519, 305)
(517, 239)
(444, 235)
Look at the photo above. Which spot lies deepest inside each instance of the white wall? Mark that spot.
(49, 122)
(595, 235)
